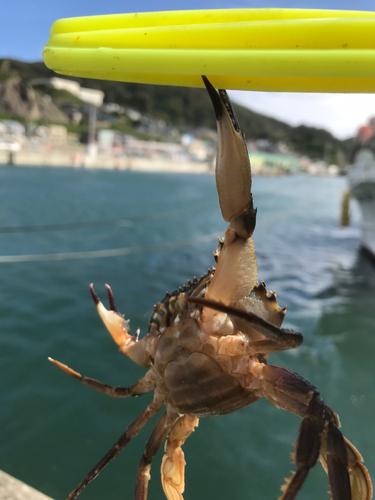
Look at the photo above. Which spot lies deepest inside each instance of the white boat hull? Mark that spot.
(361, 180)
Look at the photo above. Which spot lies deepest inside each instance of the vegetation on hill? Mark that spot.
(189, 109)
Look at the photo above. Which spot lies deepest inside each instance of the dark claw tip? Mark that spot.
(111, 299)
(215, 98)
(94, 296)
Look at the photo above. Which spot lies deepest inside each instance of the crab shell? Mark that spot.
(207, 348)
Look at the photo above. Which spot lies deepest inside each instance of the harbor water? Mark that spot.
(145, 234)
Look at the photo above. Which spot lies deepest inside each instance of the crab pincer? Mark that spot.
(119, 328)
(236, 271)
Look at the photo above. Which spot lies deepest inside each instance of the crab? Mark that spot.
(207, 347)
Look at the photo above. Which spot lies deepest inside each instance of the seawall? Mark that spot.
(79, 159)
(13, 489)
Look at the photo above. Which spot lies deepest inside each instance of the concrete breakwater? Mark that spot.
(80, 159)
(13, 489)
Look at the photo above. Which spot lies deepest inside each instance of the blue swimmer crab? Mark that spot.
(207, 347)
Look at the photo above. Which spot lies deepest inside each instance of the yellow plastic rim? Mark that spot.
(291, 50)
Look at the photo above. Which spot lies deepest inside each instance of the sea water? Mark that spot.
(145, 234)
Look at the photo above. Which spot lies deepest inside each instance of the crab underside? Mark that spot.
(207, 348)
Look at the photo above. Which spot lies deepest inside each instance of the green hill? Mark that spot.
(189, 109)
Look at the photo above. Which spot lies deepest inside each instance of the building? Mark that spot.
(91, 96)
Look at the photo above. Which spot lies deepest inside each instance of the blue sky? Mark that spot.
(25, 25)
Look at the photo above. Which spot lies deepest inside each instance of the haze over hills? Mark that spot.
(184, 108)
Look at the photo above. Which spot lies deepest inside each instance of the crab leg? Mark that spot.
(236, 272)
(173, 464)
(117, 448)
(144, 384)
(307, 450)
(156, 440)
(349, 479)
(360, 480)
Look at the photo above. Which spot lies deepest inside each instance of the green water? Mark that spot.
(54, 429)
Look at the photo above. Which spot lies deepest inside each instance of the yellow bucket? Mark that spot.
(293, 50)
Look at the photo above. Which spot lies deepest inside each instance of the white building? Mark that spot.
(91, 96)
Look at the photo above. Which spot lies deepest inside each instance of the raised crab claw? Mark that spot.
(207, 347)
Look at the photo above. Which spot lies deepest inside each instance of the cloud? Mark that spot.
(341, 114)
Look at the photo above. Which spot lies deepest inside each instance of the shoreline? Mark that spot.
(80, 159)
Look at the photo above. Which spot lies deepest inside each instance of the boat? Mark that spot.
(361, 182)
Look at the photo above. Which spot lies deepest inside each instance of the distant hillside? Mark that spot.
(189, 108)
(18, 98)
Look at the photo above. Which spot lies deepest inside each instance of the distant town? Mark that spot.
(69, 125)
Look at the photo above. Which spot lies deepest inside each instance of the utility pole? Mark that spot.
(91, 143)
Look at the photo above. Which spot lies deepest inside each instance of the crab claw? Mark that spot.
(119, 329)
(233, 173)
(236, 272)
